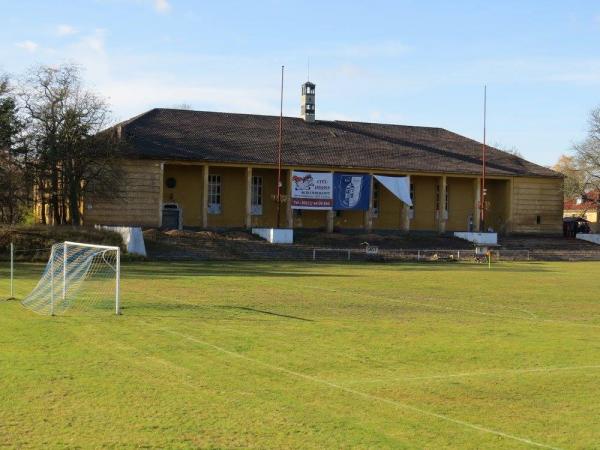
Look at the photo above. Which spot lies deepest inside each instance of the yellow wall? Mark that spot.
(138, 203)
(350, 219)
(187, 193)
(390, 210)
(497, 212)
(233, 198)
(537, 196)
(311, 219)
(461, 202)
(269, 215)
(424, 203)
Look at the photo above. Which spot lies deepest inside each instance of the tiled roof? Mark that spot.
(589, 203)
(183, 135)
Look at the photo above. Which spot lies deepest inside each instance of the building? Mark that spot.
(584, 208)
(219, 170)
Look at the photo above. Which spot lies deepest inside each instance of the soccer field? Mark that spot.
(302, 355)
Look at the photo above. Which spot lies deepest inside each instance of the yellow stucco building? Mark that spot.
(219, 170)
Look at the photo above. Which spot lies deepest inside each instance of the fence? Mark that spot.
(448, 255)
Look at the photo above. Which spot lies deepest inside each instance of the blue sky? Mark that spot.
(407, 62)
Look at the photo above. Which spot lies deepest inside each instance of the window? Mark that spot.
(412, 195)
(257, 196)
(538, 220)
(214, 194)
(376, 188)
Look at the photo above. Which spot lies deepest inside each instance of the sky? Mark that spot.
(404, 62)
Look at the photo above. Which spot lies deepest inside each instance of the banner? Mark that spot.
(399, 186)
(351, 191)
(312, 190)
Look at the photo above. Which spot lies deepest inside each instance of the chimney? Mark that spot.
(307, 109)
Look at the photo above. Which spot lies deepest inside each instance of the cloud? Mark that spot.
(162, 6)
(94, 41)
(65, 30)
(28, 46)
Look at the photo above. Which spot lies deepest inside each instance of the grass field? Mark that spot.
(306, 355)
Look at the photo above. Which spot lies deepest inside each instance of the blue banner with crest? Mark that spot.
(351, 191)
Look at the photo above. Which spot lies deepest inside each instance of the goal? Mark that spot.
(78, 277)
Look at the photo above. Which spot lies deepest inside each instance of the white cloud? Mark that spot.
(65, 30)
(94, 41)
(162, 6)
(29, 46)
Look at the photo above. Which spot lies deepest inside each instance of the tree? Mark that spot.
(14, 195)
(587, 155)
(574, 184)
(513, 150)
(72, 154)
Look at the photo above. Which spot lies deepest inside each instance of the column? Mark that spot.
(289, 213)
(248, 221)
(443, 212)
(509, 225)
(330, 219)
(205, 170)
(476, 211)
(161, 182)
(368, 219)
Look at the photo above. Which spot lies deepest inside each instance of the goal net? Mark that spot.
(78, 277)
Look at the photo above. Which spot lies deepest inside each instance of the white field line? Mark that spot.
(359, 393)
(491, 372)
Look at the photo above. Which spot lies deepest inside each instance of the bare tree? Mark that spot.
(587, 154)
(513, 150)
(186, 106)
(71, 155)
(574, 184)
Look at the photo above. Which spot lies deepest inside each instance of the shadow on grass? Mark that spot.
(260, 311)
(170, 307)
(290, 269)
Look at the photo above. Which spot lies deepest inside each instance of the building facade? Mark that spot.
(219, 170)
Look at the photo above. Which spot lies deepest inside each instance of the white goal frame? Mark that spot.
(53, 271)
(117, 269)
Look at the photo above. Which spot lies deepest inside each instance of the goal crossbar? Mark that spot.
(105, 247)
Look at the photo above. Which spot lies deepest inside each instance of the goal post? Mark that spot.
(78, 276)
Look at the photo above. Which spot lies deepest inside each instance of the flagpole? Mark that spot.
(482, 193)
(279, 152)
